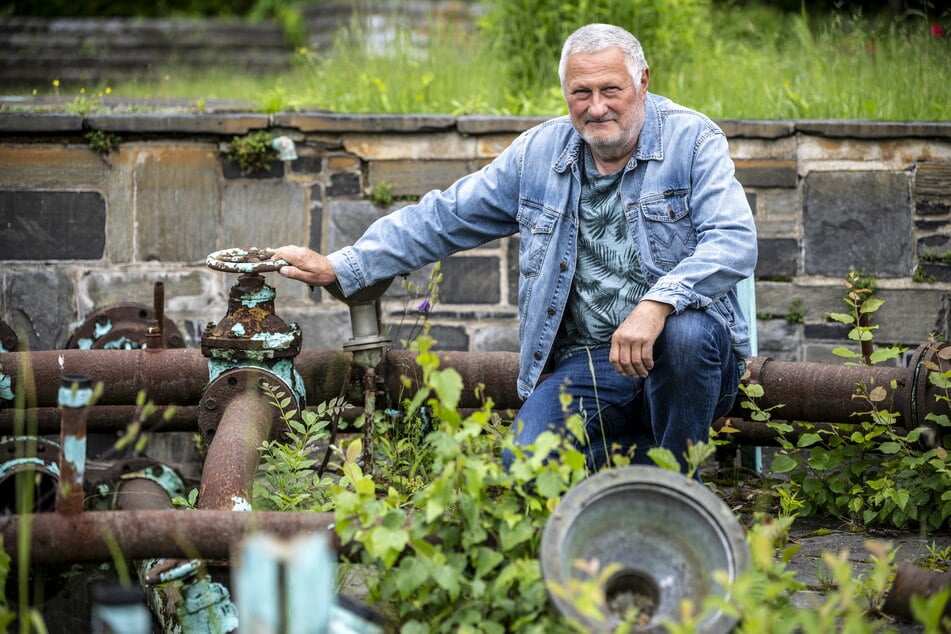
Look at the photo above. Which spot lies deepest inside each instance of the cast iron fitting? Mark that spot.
(237, 383)
(251, 329)
(126, 327)
(364, 319)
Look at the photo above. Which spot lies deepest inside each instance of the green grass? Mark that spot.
(760, 64)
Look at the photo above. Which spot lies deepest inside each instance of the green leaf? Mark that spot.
(782, 463)
(841, 317)
(386, 543)
(448, 386)
(664, 458)
(808, 439)
(889, 447)
(871, 304)
(845, 352)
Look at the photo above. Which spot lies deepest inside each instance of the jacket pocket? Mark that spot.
(671, 235)
(536, 225)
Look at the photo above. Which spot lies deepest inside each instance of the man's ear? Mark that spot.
(645, 80)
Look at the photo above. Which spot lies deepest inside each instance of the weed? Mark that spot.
(102, 143)
(796, 313)
(252, 152)
(382, 194)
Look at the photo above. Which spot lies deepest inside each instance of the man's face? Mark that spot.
(605, 104)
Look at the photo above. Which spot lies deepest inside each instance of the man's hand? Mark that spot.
(632, 345)
(306, 265)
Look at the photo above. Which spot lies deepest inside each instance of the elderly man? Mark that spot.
(633, 235)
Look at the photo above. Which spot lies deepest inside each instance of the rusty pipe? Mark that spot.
(142, 494)
(207, 534)
(910, 581)
(823, 391)
(233, 457)
(75, 393)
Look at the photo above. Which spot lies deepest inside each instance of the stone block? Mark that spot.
(185, 290)
(263, 214)
(778, 257)
(348, 219)
(447, 337)
(177, 123)
(177, 203)
(496, 338)
(778, 339)
(345, 184)
(50, 167)
(857, 220)
(470, 280)
(52, 225)
(308, 164)
(232, 171)
(767, 173)
(932, 184)
(428, 147)
(120, 194)
(38, 305)
(415, 178)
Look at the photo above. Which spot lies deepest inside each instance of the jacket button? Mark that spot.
(538, 356)
(563, 266)
(551, 310)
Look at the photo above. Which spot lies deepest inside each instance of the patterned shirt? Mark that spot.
(608, 282)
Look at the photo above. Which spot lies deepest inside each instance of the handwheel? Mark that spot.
(250, 260)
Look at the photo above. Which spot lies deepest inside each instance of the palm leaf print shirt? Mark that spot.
(608, 281)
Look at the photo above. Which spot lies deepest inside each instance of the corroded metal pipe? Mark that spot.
(86, 537)
(233, 457)
(75, 393)
(910, 581)
(823, 391)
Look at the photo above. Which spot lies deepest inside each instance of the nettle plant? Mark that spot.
(869, 473)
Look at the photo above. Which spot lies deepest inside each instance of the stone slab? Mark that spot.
(177, 203)
(50, 166)
(470, 279)
(331, 122)
(52, 225)
(415, 178)
(856, 221)
(38, 305)
(39, 122)
(177, 123)
(778, 257)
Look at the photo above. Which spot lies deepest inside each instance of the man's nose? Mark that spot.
(598, 105)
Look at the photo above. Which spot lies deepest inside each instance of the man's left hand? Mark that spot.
(632, 345)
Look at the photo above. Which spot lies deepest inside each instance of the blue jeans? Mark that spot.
(693, 382)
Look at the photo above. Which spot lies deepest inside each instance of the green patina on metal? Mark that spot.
(275, 340)
(238, 330)
(283, 369)
(6, 384)
(102, 329)
(73, 396)
(265, 294)
(11, 466)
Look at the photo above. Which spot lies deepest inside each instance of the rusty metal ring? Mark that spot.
(250, 260)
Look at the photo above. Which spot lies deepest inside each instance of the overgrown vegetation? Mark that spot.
(252, 152)
(873, 472)
(745, 61)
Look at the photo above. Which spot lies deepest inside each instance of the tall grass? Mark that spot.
(758, 64)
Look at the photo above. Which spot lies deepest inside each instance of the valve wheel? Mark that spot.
(250, 260)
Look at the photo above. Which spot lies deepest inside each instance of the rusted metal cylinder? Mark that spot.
(910, 581)
(75, 393)
(142, 494)
(233, 457)
(823, 391)
(107, 418)
(207, 534)
(171, 376)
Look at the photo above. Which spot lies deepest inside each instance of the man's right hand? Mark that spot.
(306, 265)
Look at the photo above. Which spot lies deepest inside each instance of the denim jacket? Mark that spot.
(690, 218)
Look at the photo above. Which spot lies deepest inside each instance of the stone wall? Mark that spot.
(80, 231)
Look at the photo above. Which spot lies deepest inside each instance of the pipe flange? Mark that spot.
(927, 358)
(122, 327)
(237, 381)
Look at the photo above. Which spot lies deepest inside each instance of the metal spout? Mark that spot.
(286, 151)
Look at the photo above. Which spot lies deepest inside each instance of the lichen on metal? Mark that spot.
(13, 465)
(124, 343)
(250, 260)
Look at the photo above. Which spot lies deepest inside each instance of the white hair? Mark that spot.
(594, 38)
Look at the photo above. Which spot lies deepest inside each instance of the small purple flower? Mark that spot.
(424, 306)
